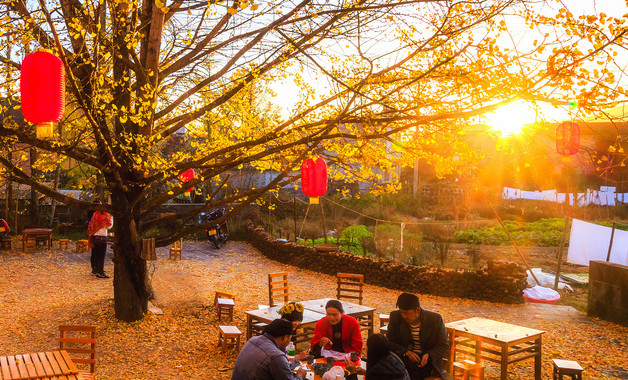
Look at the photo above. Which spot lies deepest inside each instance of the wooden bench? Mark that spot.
(229, 336)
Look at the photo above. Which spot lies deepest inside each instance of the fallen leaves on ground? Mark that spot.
(43, 289)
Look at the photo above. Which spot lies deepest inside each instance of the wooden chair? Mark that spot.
(229, 336)
(224, 303)
(384, 319)
(350, 286)
(567, 368)
(176, 250)
(80, 343)
(278, 288)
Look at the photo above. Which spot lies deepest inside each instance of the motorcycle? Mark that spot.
(216, 235)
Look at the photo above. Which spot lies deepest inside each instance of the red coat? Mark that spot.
(351, 336)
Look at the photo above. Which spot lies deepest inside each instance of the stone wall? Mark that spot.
(608, 292)
(499, 281)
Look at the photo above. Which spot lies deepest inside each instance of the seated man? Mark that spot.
(263, 357)
(419, 337)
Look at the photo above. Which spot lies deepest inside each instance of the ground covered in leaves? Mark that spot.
(43, 289)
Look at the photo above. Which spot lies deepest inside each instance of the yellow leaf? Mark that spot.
(231, 11)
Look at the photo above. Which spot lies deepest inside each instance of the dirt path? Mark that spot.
(40, 290)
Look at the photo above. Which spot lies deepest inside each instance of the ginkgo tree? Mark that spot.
(382, 83)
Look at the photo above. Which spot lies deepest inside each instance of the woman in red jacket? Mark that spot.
(337, 331)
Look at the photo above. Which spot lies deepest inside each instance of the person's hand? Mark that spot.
(414, 357)
(324, 341)
(301, 356)
(424, 360)
(350, 366)
(302, 372)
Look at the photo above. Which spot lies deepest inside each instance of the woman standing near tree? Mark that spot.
(97, 231)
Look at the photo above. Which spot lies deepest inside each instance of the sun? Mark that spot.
(509, 119)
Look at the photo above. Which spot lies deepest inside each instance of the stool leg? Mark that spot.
(237, 343)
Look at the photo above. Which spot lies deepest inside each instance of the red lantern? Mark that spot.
(567, 138)
(42, 85)
(186, 176)
(314, 178)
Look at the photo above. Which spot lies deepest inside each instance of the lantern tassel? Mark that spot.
(313, 200)
(43, 130)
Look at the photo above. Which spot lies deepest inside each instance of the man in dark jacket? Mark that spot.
(419, 337)
(263, 357)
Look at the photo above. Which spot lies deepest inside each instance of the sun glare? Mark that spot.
(511, 118)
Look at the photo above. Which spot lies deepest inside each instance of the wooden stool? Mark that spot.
(31, 244)
(567, 368)
(224, 303)
(470, 370)
(63, 244)
(383, 319)
(5, 243)
(383, 329)
(176, 250)
(81, 246)
(229, 336)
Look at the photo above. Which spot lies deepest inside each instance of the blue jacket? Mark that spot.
(261, 359)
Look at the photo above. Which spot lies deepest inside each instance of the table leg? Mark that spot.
(23, 242)
(249, 327)
(371, 323)
(504, 362)
(537, 359)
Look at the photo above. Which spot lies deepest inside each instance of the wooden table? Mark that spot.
(313, 311)
(514, 343)
(52, 365)
(37, 234)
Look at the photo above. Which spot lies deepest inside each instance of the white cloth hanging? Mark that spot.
(589, 241)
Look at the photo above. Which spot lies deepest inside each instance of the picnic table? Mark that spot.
(313, 311)
(510, 343)
(43, 366)
(37, 234)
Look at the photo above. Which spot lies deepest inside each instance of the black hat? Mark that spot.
(279, 328)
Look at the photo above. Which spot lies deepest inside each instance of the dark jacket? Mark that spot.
(433, 337)
(261, 359)
(388, 368)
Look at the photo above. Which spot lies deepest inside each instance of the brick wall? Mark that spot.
(498, 281)
(608, 292)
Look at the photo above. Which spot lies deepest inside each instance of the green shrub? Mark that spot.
(544, 233)
(354, 238)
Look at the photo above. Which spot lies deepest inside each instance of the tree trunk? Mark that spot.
(131, 290)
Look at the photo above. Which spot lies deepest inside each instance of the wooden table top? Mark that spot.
(42, 365)
(494, 330)
(314, 311)
(35, 231)
(349, 307)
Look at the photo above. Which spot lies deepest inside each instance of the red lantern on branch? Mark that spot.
(186, 176)
(42, 88)
(567, 138)
(314, 178)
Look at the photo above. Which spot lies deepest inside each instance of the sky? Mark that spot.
(287, 93)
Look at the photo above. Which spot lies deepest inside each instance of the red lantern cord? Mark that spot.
(567, 138)
(42, 87)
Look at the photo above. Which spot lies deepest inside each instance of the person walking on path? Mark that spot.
(97, 241)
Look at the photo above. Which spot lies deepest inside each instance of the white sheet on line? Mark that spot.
(588, 241)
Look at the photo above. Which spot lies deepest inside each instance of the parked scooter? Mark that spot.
(216, 235)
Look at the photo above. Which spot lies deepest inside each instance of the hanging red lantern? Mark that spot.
(186, 176)
(42, 86)
(567, 138)
(314, 178)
